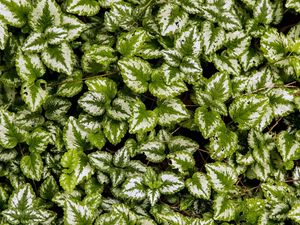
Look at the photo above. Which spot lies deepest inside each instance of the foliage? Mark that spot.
(182, 112)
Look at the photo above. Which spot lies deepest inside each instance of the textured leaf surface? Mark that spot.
(32, 166)
(82, 8)
(199, 186)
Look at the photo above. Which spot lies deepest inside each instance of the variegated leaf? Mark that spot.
(263, 11)
(153, 196)
(76, 213)
(4, 35)
(73, 26)
(35, 43)
(172, 183)
(93, 103)
(182, 143)
(32, 166)
(134, 188)
(71, 86)
(222, 176)
(103, 85)
(225, 209)
(288, 147)
(114, 130)
(188, 42)
(182, 161)
(55, 35)
(136, 73)
(172, 57)
(154, 151)
(294, 213)
(237, 43)
(171, 75)
(29, 67)
(98, 139)
(281, 101)
(227, 64)
(250, 59)
(171, 111)
(38, 140)
(293, 4)
(82, 7)
(83, 171)
(59, 58)
(34, 94)
(120, 108)
(101, 160)
(219, 87)
(199, 185)
(56, 109)
(171, 19)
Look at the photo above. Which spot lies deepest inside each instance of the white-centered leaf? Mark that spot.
(219, 87)
(59, 58)
(237, 43)
(172, 183)
(172, 57)
(153, 196)
(182, 143)
(294, 213)
(263, 11)
(29, 66)
(133, 188)
(35, 43)
(73, 26)
(32, 166)
(225, 209)
(93, 103)
(154, 151)
(171, 111)
(38, 140)
(199, 185)
(188, 41)
(171, 19)
(171, 75)
(281, 101)
(288, 147)
(103, 85)
(56, 109)
(76, 213)
(70, 86)
(182, 161)
(136, 73)
(142, 120)
(293, 4)
(82, 7)
(209, 122)
(120, 108)
(101, 160)
(74, 135)
(114, 130)
(251, 58)
(227, 64)
(55, 35)
(34, 94)
(222, 176)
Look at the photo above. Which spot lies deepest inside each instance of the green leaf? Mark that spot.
(83, 171)
(35, 43)
(59, 58)
(101, 160)
(171, 19)
(273, 45)
(219, 87)
(251, 58)
(172, 183)
(134, 189)
(114, 130)
(182, 143)
(48, 188)
(154, 151)
(288, 147)
(82, 8)
(263, 12)
(71, 86)
(91, 124)
(55, 35)
(93, 103)
(209, 122)
(142, 120)
(38, 140)
(248, 111)
(294, 213)
(4, 35)
(121, 158)
(9, 133)
(225, 209)
(227, 64)
(136, 73)
(32, 166)
(213, 38)
(29, 67)
(74, 135)
(130, 43)
(73, 26)
(222, 176)
(199, 186)
(68, 182)
(237, 43)
(34, 94)
(44, 14)
(70, 160)
(120, 108)
(14, 12)
(171, 111)
(172, 57)
(171, 74)
(75, 213)
(153, 196)
(103, 85)
(191, 65)
(97, 139)
(182, 160)
(188, 42)
(293, 4)
(56, 109)
(223, 145)
(281, 101)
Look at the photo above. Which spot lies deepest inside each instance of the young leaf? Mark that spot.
(70, 160)
(32, 166)
(97, 139)
(136, 73)
(171, 19)
(82, 8)
(199, 186)
(48, 188)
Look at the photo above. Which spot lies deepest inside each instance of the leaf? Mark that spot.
(114, 130)
(97, 139)
(281, 101)
(120, 108)
(34, 43)
(213, 38)
(219, 87)
(182, 143)
(71, 86)
(14, 12)
(76, 213)
(38, 140)
(82, 8)
(93, 103)
(91, 124)
(121, 158)
(190, 65)
(171, 111)
(237, 43)
(48, 188)
(293, 214)
(221, 176)
(10, 134)
(73, 26)
(4, 35)
(74, 135)
(293, 4)
(248, 111)
(32, 166)
(250, 59)
(134, 189)
(263, 12)
(34, 94)
(44, 14)
(142, 120)
(188, 42)
(101, 160)
(227, 64)
(209, 122)
(288, 147)
(55, 35)
(130, 43)
(68, 182)
(182, 160)
(273, 45)
(171, 19)
(154, 151)
(103, 85)
(224, 208)
(83, 171)
(56, 109)
(70, 160)
(172, 183)
(29, 67)
(59, 58)
(199, 186)
(172, 57)
(136, 73)
(153, 196)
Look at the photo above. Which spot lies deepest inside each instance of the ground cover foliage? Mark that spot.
(173, 112)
